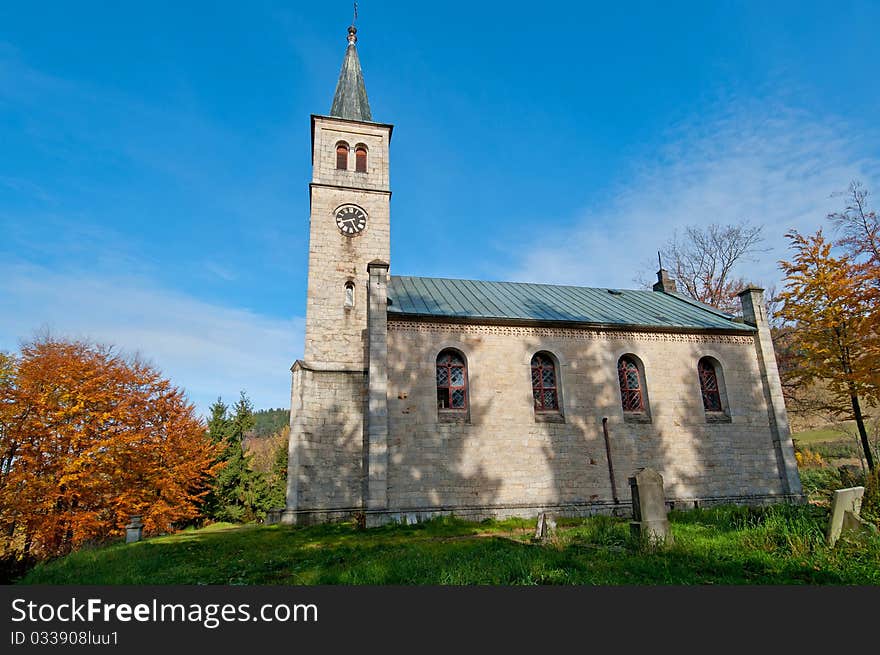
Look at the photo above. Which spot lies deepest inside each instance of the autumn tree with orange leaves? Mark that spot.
(89, 437)
(830, 305)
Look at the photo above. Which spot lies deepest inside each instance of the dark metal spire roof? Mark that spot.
(350, 101)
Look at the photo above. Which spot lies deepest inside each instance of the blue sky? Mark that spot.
(154, 159)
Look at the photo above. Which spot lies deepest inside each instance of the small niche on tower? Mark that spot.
(349, 295)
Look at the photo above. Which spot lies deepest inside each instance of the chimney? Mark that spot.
(664, 282)
(754, 312)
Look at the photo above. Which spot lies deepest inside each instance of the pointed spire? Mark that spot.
(350, 100)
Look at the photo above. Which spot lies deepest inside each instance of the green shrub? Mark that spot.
(850, 476)
(818, 483)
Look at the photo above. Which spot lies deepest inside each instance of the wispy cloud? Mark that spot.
(210, 350)
(220, 271)
(773, 166)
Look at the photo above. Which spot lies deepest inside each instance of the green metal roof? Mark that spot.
(517, 301)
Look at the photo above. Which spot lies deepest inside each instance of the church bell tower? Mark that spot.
(350, 220)
(337, 458)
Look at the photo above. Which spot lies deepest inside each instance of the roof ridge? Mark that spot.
(542, 284)
(699, 304)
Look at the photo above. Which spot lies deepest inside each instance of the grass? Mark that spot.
(831, 442)
(826, 433)
(727, 545)
(839, 463)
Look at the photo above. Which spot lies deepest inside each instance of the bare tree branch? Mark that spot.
(703, 260)
(858, 225)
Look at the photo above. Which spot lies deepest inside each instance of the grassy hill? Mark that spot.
(830, 457)
(826, 433)
(730, 545)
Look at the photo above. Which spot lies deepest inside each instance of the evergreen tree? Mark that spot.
(278, 479)
(243, 418)
(240, 494)
(218, 433)
(218, 425)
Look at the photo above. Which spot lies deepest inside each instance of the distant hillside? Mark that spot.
(269, 421)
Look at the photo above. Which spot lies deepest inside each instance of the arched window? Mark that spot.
(631, 392)
(349, 294)
(451, 381)
(544, 383)
(342, 156)
(709, 386)
(360, 159)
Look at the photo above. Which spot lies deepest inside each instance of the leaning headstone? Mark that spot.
(649, 508)
(545, 526)
(846, 507)
(134, 530)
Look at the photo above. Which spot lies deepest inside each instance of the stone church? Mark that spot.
(419, 397)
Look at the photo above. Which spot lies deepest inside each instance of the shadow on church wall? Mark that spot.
(436, 461)
(504, 456)
(326, 454)
(697, 458)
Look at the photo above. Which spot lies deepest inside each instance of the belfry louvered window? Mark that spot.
(451, 381)
(544, 384)
(631, 396)
(709, 386)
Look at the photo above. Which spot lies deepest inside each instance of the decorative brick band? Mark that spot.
(584, 334)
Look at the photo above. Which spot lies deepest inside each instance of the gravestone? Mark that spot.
(273, 516)
(134, 530)
(649, 508)
(545, 527)
(846, 507)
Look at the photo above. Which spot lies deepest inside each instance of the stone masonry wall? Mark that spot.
(325, 464)
(504, 457)
(375, 136)
(335, 334)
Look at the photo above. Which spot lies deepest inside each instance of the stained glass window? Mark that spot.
(630, 385)
(709, 386)
(544, 387)
(451, 381)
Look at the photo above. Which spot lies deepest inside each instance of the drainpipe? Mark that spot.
(610, 463)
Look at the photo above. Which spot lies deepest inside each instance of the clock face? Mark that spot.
(351, 219)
